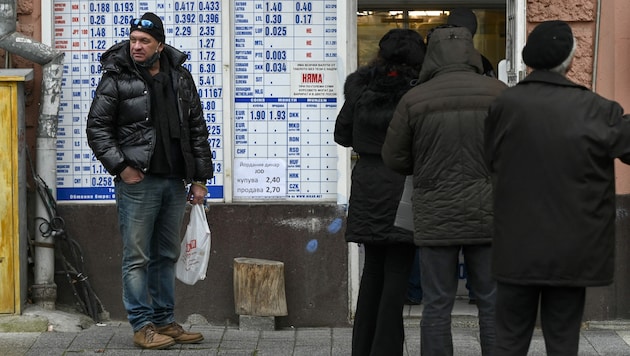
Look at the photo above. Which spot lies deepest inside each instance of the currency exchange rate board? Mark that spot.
(266, 76)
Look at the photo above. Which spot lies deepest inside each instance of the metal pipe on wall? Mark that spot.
(596, 44)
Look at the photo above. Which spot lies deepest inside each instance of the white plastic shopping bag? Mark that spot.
(404, 214)
(193, 259)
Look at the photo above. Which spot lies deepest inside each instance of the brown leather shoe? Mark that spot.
(148, 338)
(180, 335)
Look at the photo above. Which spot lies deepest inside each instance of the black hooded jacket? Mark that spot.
(120, 129)
(436, 134)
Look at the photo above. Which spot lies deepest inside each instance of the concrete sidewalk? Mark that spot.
(71, 336)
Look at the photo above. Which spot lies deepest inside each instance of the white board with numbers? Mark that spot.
(279, 113)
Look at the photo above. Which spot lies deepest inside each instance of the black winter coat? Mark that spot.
(371, 97)
(436, 134)
(120, 129)
(551, 144)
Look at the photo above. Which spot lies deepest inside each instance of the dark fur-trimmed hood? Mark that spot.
(373, 94)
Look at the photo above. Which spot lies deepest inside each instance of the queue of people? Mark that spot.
(520, 179)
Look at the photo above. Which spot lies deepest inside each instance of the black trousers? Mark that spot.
(378, 323)
(561, 310)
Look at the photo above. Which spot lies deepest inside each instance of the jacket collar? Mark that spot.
(117, 56)
(549, 77)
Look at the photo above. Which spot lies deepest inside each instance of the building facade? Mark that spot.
(321, 270)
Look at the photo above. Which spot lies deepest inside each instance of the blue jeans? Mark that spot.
(150, 215)
(439, 285)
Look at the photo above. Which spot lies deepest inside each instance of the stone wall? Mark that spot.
(313, 251)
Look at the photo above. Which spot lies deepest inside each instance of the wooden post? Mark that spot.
(259, 287)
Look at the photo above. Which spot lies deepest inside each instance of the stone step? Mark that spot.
(464, 314)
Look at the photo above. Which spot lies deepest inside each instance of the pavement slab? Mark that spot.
(71, 335)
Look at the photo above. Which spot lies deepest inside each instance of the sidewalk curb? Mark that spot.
(607, 325)
(38, 319)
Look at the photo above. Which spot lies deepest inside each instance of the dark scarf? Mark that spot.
(167, 159)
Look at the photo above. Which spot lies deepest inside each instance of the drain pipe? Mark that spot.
(596, 45)
(44, 288)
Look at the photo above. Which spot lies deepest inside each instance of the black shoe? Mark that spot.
(409, 301)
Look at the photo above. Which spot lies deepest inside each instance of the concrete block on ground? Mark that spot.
(253, 322)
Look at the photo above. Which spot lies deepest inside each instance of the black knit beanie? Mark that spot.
(463, 17)
(402, 46)
(548, 45)
(156, 30)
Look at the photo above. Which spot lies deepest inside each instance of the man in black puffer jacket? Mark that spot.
(147, 128)
(436, 134)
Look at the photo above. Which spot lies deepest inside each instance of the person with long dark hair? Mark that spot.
(371, 95)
